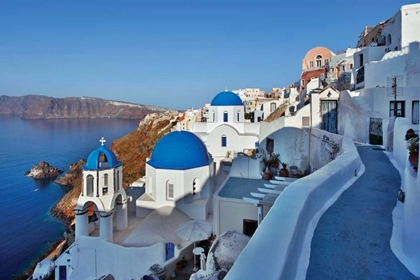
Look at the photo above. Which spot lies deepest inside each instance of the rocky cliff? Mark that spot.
(46, 107)
(132, 150)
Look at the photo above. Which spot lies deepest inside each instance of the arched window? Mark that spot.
(224, 140)
(196, 183)
(213, 116)
(239, 116)
(105, 180)
(272, 106)
(225, 116)
(89, 185)
(389, 40)
(118, 180)
(169, 190)
(105, 186)
(318, 60)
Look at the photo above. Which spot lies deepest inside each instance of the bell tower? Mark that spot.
(102, 193)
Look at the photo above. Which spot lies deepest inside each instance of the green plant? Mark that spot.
(274, 158)
(283, 164)
(413, 145)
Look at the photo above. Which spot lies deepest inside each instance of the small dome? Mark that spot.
(101, 158)
(226, 98)
(179, 150)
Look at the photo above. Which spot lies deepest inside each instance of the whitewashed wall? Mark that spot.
(320, 151)
(90, 258)
(410, 17)
(379, 99)
(235, 141)
(290, 224)
(405, 241)
(352, 121)
(405, 62)
(292, 144)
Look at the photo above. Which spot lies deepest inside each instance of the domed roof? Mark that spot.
(226, 98)
(101, 158)
(179, 150)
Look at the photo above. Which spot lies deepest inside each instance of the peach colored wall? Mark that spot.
(311, 55)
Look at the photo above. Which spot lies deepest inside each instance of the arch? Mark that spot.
(89, 185)
(225, 116)
(318, 56)
(195, 184)
(389, 39)
(224, 140)
(169, 190)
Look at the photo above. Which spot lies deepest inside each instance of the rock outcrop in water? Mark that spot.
(46, 107)
(132, 150)
(43, 170)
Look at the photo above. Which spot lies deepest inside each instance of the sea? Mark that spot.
(27, 229)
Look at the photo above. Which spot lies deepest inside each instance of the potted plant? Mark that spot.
(413, 147)
(267, 161)
(283, 171)
(275, 160)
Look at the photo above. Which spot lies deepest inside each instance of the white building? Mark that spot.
(179, 174)
(226, 129)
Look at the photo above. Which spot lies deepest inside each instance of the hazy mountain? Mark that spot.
(46, 107)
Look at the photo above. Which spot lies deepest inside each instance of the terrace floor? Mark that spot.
(352, 238)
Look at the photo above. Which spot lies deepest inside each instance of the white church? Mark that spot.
(226, 130)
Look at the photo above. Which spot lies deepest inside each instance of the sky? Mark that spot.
(170, 53)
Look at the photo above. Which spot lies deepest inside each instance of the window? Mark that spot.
(361, 59)
(389, 40)
(150, 186)
(169, 190)
(326, 61)
(351, 66)
(224, 140)
(118, 180)
(272, 106)
(311, 64)
(239, 116)
(318, 63)
(213, 116)
(89, 185)
(105, 180)
(249, 227)
(415, 112)
(225, 116)
(398, 110)
(302, 82)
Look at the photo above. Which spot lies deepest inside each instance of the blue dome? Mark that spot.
(179, 150)
(95, 160)
(226, 98)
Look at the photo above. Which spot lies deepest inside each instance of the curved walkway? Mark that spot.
(352, 238)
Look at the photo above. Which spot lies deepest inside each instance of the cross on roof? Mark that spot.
(102, 141)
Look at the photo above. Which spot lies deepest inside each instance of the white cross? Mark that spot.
(102, 140)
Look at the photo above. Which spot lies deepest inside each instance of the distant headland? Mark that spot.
(46, 107)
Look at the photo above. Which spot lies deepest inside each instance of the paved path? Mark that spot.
(352, 239)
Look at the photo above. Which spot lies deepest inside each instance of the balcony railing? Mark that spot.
(360, 75)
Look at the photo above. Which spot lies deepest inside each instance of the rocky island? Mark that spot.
(43, 170)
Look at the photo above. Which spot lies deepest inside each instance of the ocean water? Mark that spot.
(27, 228)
